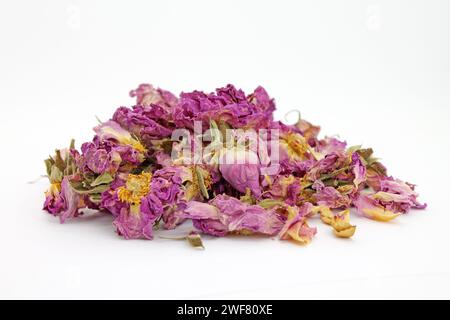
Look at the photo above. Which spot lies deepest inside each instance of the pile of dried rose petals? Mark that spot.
(135, 170)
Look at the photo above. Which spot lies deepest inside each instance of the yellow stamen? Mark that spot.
(138, 146)
(296, 146)
(54, 190)
(136, 187)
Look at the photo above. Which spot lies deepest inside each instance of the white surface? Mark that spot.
(375, 72)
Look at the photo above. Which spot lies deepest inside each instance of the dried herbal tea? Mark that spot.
(221, 161)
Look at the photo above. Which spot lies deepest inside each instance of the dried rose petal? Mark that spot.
(139, 169)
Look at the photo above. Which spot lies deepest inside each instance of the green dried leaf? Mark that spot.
(216, 134)
(72, 169)
(48, 166)
(213, 124)
(378, 168)
(334, 173)
(365, 153)
(325, 177)
(59, 162)
(270, 203)
(55, 175)
(95, 198)
(80, 189)
(105, 178)
(195, 240)
(223, 127)
(201, 182)
(98, 119)
(248, 197)
(353, 148)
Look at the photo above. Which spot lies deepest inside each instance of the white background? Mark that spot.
(375, 72)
